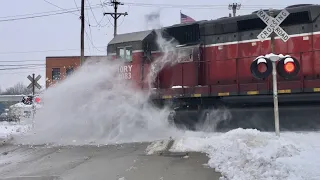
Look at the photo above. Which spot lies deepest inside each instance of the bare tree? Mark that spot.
(18, 88)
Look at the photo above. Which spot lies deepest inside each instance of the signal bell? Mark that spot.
(288, 67)
(261, 67)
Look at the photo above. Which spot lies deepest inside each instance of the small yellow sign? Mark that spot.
(196, 95)
(167, 97)
(284, 91)
(224, 94)
(316, 89)
(252, 92)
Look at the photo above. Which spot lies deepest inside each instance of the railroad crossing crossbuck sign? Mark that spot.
(273, 25)
(34, 81)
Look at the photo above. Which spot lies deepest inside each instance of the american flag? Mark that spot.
(186, 19)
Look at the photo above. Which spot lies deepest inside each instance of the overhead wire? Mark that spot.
(106, 16)
(41, 51)
(44, 14)
(27, 67)
(92, 13)
(36, 16)
(21, 61)
(91, 7)
(195, 6)
(14, 65)
(31, 14)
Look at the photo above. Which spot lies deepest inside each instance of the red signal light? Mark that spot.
(37, 100)
(289, 67)
(262, 67)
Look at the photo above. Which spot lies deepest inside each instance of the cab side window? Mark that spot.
(125, 53)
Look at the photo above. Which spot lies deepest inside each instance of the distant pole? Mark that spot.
(115, 15)
(33, 93)
(274, 81)
(82, 33)
(234, 7)
(33, 86)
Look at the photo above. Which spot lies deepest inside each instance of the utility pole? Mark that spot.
(234, 7)
(82, 33)
(115, 15)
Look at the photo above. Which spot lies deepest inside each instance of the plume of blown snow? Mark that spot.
(96, 106)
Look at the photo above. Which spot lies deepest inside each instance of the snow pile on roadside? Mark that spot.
(157, 146)
(8, 129)
(250, 154)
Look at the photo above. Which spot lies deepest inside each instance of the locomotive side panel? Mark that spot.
(316, 47)
(248, 46)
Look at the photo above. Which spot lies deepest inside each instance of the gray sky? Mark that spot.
(56, 35)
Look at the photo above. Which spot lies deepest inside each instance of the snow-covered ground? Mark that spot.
(251, 155)
(241, 154)
(7, 129)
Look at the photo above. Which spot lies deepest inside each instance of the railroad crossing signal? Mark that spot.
(273, 25)
(34, 82)
(287, 67)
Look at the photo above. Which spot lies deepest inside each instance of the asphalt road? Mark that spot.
(121, 162)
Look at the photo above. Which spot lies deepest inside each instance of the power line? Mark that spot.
(93, 13)
(22, 61)
(27, 67)
(45, 14)
(49, 12)
(195, 6)
(15, 72)
(78, 15)
(14, 65)
(84, 29)
(41, 51)
(37, 16)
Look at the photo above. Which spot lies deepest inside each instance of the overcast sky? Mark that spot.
(59, 35)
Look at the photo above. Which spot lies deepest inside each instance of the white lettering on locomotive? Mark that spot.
(125, 72)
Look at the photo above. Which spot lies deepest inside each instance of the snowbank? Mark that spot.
(250, 154)
(8, 129)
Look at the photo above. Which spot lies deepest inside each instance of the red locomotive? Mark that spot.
(217, 71)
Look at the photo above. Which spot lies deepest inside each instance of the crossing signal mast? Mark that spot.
(285, 66)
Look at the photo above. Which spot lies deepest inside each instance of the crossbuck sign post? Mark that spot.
(34, 83)
(273, 25)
